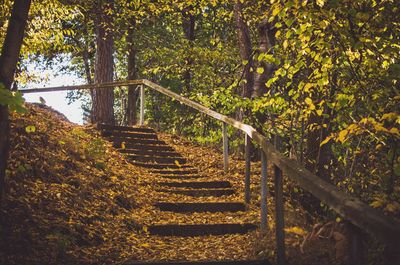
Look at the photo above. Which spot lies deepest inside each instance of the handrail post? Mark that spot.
(279, 216)
(225, 145)
(264, 192)
(356, 245)
(142, 101)
(247, 172)
(279, 208)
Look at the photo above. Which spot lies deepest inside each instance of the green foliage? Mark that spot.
(12, 99)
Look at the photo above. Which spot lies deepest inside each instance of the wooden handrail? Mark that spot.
(384, 228)
(360, 214)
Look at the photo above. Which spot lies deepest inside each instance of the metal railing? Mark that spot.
(383, 228)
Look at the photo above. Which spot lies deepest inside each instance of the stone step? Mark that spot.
(212, 207)
(119, 140)
(200, 229)
(181, 177)
(200, 192)
(124, 128)
(197, 184)
(157, 159)
(145, 147)
(174, 172)
(122, 134)
(150, 152)
(205, 262)
(159, 166)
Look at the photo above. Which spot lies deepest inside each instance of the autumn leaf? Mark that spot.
(296, 230)
(342, 136)
(30, 129)
(177, 163)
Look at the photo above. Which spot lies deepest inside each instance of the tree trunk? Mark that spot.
(266, 40)
(8, 61)
(188, 24)
(245, 50)
(132, 74)
(103, 98)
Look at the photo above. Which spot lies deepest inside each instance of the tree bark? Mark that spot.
(266, 41)
(133, 93)
(188, 24)
(8, 62)
(245, 50)
(103, 99)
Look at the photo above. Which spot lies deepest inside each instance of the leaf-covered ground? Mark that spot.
(71, 198)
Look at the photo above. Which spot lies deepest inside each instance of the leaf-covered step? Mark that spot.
(141, 135)
(205, 262)
(150, 152)
(158, 159)
(140, 146)
(137, 140)
(200, 229)
(200, 192)
(181, 176)
(124, 128)
(197, 184)
(182, 207)
(174, 171)
(160, 166)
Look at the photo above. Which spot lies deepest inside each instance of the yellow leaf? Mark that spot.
(145, 229)
(319, 112)
(177, 163)
(30, 129)
(146, 245)
(260, 70)
(123, 145)
(342, 136)
(321, 3)
(296, 230)
(308, 86)
(327, 139)
(378, 203)
(308, 101)
(394, 130)
(285, 44)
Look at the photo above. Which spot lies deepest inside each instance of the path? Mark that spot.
(176, 176)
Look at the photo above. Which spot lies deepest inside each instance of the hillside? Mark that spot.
(71, 198)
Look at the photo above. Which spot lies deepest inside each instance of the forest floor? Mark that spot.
(71, 198)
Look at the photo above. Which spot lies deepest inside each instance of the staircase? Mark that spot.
(175, 175)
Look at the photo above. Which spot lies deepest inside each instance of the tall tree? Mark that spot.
(103, 99)
(132, 73)
(188, 25)
(266, 41)
(8, 61)
(245, 50)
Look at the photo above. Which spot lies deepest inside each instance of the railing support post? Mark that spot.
(247, 172)
(142, 101)
(225, 145)
(356, 245)
(264, 192)
(279, 219)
